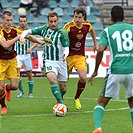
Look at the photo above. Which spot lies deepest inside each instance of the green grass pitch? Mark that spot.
(35, 115)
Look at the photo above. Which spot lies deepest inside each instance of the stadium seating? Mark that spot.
(42, 19)
(69, 11)
(91, 19)
(66, 18)
(16, 19)
(74, 3)
(15, 4)
(63, 4)
(35, 24)
(45, 11)
(98, 26)
(52, 4)
(30, 19)
(95, 11)
(59, 11)
(4, 4)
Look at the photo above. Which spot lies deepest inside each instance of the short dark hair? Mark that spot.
(117, 13)
(52, 14)
(22, 16)
(8, 13)
(80, 10)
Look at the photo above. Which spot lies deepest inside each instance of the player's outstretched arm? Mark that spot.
(6, 44)
(35, 39)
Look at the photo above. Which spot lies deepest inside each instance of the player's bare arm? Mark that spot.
(35, 39)
(32, 47)
(6, 44)
(27, 34)
(65, 54)
(92, 33)
(99, 57)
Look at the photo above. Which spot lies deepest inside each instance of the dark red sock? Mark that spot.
(8, 87)
(80, 88)
(2, 102)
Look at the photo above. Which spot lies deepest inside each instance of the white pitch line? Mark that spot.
(76, 112)
(40, 115)
(36, 97)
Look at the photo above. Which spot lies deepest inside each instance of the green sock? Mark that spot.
(20, 85)
(30, 83)
(131, 112)
(98, 115)
(57, 93)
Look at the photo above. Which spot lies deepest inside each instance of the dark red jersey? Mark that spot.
(9, 53)
(77, 36)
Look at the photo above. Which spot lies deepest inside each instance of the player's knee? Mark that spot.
(14, 86)
(83, 79)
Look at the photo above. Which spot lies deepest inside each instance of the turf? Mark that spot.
(35, 115)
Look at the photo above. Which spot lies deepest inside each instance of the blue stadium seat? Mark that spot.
(52, 4)
(35, 24)
(69, 11)
(95, 11)
(42, 19)
(91, 19)
(66, 18)
(30, 19)
(45, 11)
(74, 3)
(15, 4)
(98, 26)
(63, 4)
(59, 11)
(89, 43)
(16, 19)
(4, 4)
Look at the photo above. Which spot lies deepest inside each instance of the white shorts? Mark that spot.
(58, 67)
(25, 60)
(113, 83)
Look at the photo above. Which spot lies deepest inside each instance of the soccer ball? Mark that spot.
(59, 109)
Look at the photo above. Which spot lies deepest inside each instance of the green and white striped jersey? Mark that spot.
(22, 48)
(119, 38)
(57, 38)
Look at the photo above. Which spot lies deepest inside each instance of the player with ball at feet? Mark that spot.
(56, 50)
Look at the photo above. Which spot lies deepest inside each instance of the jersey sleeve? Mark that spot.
(37, 30)
(64, 38)
(1, 37)
(104, 38)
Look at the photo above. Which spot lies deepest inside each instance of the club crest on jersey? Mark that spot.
(78, 44)
(48, 41)
(10, 48)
